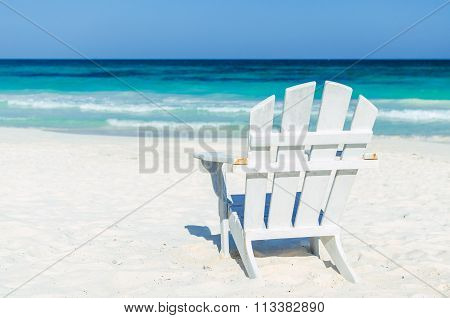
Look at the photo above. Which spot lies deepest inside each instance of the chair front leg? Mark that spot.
(224, 240)
(220, 189)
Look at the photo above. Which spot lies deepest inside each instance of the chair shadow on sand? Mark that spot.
(298, 247)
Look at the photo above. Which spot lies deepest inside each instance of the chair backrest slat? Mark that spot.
(295, 119)
(261, 118)
(333, 110)
(363, 119)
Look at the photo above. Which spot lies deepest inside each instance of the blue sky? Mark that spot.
(224, 29)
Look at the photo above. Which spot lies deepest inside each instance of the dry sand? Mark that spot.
(59, 190)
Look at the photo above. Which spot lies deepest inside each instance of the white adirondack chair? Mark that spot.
(313, 173)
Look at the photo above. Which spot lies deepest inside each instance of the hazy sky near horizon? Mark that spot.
(224, 29)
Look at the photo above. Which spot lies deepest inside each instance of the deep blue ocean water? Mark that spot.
(413, 96)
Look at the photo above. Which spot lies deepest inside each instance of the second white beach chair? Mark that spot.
(309, 178)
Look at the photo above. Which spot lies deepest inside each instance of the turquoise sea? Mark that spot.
(413, 96)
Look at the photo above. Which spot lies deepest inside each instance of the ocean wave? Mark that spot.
(125, 103)
(412, 102)
(89, 107)
(84, 103)
(13, 118)
(130, 103)
(122, 123)
(423, 116)
(130, 108)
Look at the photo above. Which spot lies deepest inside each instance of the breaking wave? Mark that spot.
(211, 108)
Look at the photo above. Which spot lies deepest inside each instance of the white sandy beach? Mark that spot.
(59, 190)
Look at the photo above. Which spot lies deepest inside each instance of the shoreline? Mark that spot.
(432, 138)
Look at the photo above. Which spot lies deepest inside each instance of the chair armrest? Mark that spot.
(219, 157)
(213, 162)
(371, 156)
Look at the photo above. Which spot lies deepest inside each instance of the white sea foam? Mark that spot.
(83, 103)
(121, 123)
(406, 110)
(413, 102)
(120, 103)
(130, 108)
(416, 115)
(224, 109)
(12, 118)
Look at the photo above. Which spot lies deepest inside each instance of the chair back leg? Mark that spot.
(314, 246)
(334, 248)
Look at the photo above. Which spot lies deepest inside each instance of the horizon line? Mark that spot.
(224, 59)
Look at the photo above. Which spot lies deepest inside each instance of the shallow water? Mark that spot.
(116, 96)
